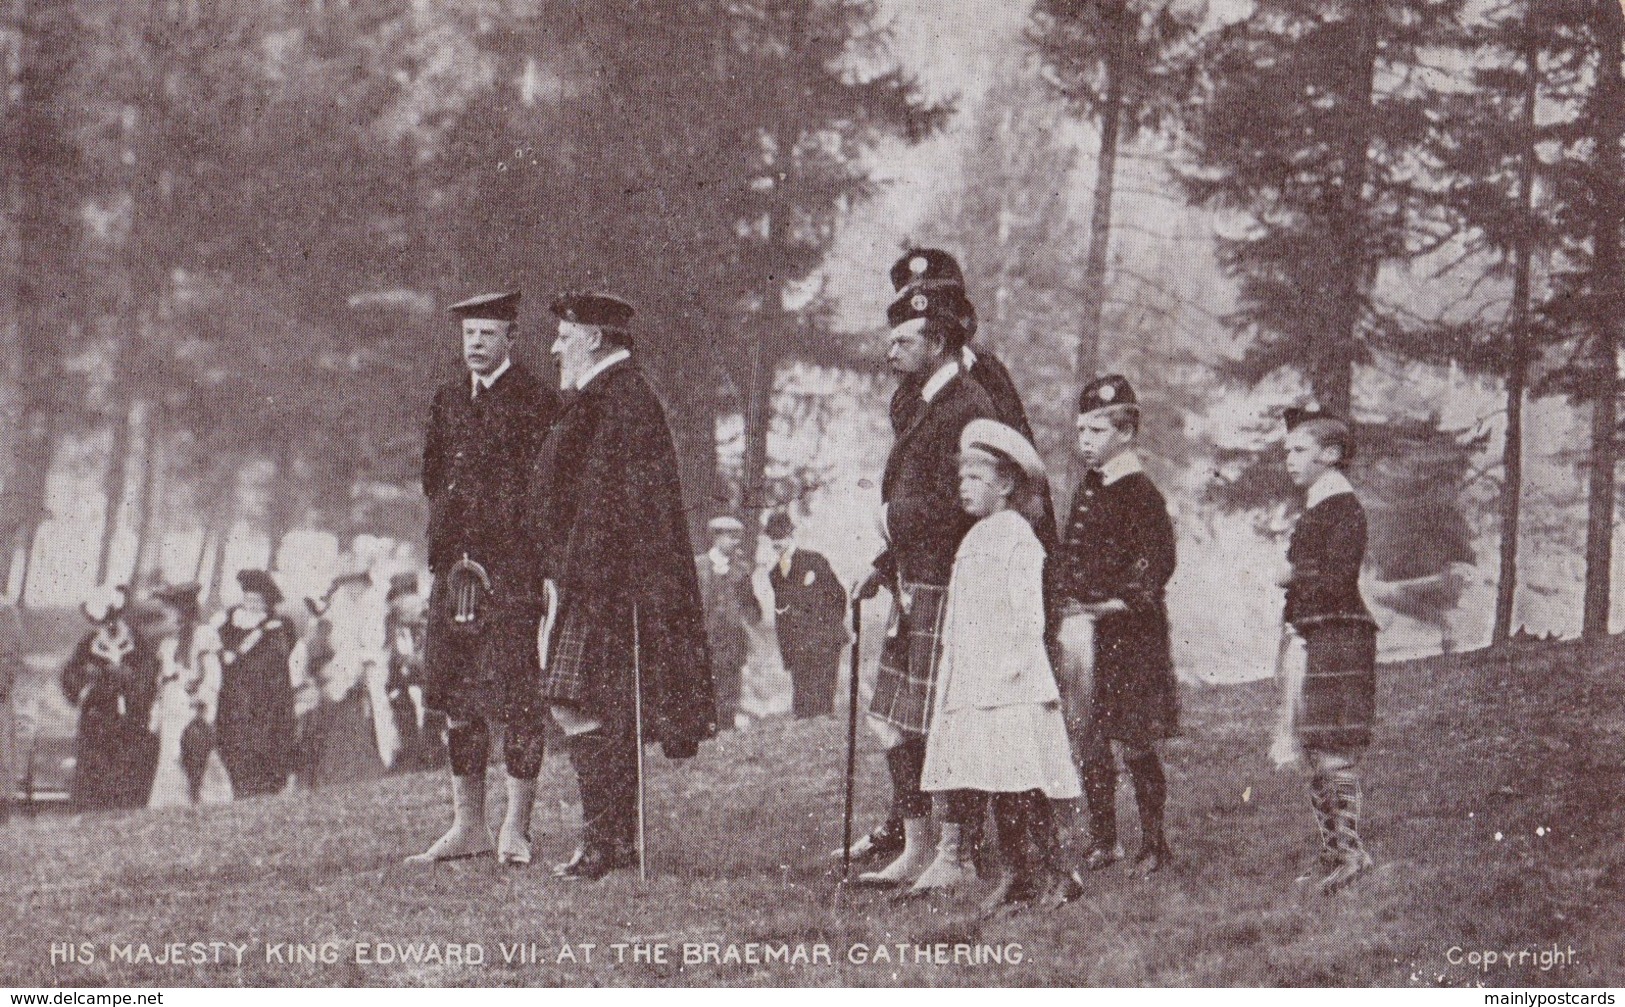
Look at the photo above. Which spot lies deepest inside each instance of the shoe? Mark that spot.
(951, 869)
(513, 841)
(1099, 858)
(1062, 888)
(1150, 859)
(1344, 874)
(1015, 891)
(884, 841)
(469, 835)
(592, 861)
(915, 858)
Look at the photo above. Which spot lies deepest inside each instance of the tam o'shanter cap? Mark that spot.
(1296, 416)
(500, 307)
(1103, 393)
(1001, 441)
(593, 309)
(725, 524)
(182, 596)
(943, 301)
(779, 525)
(926, 265)
(402, 584)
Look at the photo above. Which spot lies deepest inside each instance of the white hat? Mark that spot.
(994, 438)
(725, 523)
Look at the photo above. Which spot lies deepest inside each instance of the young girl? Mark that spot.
(1329, 647)
(996, 728)
(188, 690)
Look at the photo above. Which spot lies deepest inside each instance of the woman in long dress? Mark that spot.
(111, 678)
(350, 735)
(190, 770)
(255, 725)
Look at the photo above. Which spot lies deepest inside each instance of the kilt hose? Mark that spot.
(906, 680)
(1339, 698)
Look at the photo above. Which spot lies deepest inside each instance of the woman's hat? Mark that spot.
(1003, 442)
(261, 583)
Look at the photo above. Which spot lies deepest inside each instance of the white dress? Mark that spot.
(996, 724)
(186, 691)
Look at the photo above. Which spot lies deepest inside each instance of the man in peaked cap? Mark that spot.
(612, 550)
(1115, 564)
(923, 523)
(730, 603)
(479, 650)
(809, 619)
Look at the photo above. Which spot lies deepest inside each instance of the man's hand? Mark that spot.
(870, 587)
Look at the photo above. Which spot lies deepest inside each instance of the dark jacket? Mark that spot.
(606, 515)
(809, 606)
(1326, 551)
(476, 456)
(1120, 546)
(112, 677)
(920, 487)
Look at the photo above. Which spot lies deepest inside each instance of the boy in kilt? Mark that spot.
(923, 524)
(1116, 559)
(1329, 644)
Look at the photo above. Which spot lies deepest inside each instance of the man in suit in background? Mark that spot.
(730, 603)
(809, 617)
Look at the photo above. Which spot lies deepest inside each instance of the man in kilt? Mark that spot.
(923, 524)
(935, 270)
(612, 546)
(1115, 563)
(479, 648)
(1329, 648)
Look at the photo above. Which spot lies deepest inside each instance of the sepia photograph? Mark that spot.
(812, 493)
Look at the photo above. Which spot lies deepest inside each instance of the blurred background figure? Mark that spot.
(11, 669)
(255, 728)
(111, 678)
(341, 673)
(421, 731)
(190, 770)
(809, 617)
(730, 603)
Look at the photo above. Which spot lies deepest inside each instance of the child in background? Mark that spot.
(997, 732)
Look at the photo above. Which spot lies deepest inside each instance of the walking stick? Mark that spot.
(637, 716)
(851, 737)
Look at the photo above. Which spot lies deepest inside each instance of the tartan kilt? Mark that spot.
(907, 678)
(489, 673)
(1339, 700)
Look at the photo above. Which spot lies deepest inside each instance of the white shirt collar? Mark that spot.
(483, 382)
(719, 561)
(946, 373)
(967, 358)
(785, 560)
(1331, 483)
(602, 366)
(1125, 464)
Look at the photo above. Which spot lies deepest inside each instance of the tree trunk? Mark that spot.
(1506, 587)
(149, 534)
(116, 483)
(1609, 285)
(1331, 373)
(284, 505)
(758, 422)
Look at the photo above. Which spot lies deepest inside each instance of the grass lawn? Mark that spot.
(1494, 811)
